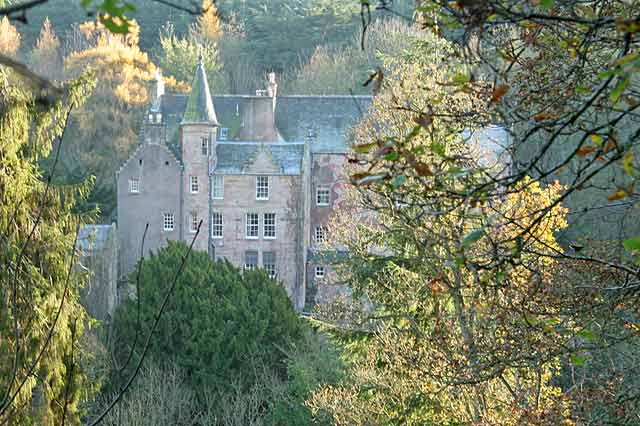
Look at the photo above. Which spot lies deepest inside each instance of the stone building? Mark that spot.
(261, 173)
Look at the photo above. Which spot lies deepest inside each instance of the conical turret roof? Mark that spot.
(199, 105)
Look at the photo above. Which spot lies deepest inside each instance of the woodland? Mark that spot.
(482, 287)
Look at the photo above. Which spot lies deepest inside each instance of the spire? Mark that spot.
(199, 105)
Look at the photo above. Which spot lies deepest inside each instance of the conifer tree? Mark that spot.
(45, 57)
(41, 320)
(9, 38)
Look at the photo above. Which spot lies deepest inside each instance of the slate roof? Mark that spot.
(199, 106)
(328, 118)
(235, 157)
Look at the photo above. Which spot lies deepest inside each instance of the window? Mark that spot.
(253, 226)
(322, 195)
(320, 235)
(262, 187)
(194, 186)
(158, 117)
(269, 263)
(205, 146)
(224, 133)
(216, 225)
(168, 222)
(193, 222)
(320, 272)
(150, 118)
(217, 187)
(134, 185)
(250, 259)
(269, 223)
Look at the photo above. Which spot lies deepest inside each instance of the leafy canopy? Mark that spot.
(219, 324)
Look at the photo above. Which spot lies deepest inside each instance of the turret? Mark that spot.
(197, 140)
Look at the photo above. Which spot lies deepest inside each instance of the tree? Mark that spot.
(219, 324)
(270, 25)
(45, 58)
(9, 38)
(180, 55)
(455, 334)
(41, 381)
(337, 69)
(104, 131)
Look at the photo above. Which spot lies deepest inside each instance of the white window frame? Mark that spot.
(261, 187)
(204, 146)
(324, 190)
(250, 226)
(193, 222)
(270, 268)
(217, 188)
(320, 234)
(168, 222)
(267, 226)
(217, 225)
(320, 272)
(224, 133)
(246, 265)
(194, 184)
(134, 185)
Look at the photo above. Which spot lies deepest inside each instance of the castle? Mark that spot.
(262, 173)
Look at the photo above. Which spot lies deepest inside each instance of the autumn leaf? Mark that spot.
(498, 93)
(596, 138)
(542, 116)
(423, 169)
(610, 145)
(627, 163)
(424, 120)
(619, 194)
(585, 150)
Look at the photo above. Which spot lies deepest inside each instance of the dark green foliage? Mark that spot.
(284, 33)
(219, 324)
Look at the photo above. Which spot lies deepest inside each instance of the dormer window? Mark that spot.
(150, 118)
(159, 117)
(224, 133)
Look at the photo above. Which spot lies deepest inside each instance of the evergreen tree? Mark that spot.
(45, 58)
(219, 325)
(41, 320)
(9, 38)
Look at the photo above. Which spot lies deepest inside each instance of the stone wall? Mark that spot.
(98, 248)
(240, 199)
(159, 176)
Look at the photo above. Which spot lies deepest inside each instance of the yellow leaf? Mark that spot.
(627, 163)
(627, 58)
(618, 195)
